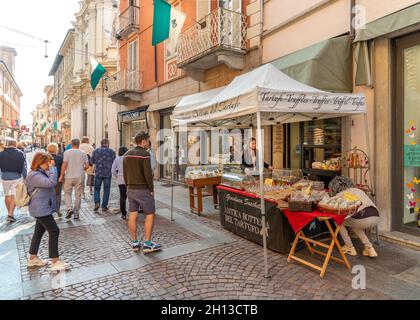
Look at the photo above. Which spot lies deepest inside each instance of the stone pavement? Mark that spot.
(200, 260)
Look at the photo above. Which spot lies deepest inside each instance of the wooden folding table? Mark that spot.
(199, 184)
(333, 243)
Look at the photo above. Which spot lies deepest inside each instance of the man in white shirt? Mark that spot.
(75, 163)
(88, 149)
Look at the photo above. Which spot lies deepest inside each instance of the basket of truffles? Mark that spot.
(301, 201)
(346, 203)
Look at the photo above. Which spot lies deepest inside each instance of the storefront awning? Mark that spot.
(266, 89)
(393, 22)
(188, 103)
(164, 104)
(326, 65)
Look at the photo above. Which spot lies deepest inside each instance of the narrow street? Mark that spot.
(199, 260)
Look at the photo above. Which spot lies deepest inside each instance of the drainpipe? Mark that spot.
(261, 31)
(352, 17)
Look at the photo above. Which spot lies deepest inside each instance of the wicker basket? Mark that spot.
(329, 210)
(304, 206)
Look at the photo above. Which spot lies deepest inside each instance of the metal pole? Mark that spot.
(369, 153)
(261, 173)
(173, 159)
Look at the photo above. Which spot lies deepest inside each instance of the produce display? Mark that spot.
(287, 176)
(301, 201)
(238, 181)
(200, 172)
(304, 183)
(343, 203)
(332, 164)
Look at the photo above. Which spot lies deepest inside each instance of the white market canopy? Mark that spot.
(267, 90)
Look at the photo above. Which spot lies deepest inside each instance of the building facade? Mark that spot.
(379, 57)
(10, 95)
(82, 111)
(41, 119)
(219, 41)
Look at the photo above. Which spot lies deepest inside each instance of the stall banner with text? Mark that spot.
(242, 216)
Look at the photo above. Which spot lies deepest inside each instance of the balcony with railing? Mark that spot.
(218, 38)
(125, 86)
(129, 22)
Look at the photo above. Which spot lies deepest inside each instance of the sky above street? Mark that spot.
(43, 19)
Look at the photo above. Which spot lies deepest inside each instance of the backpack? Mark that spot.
(22, 198)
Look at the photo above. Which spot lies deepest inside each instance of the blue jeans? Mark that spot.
(107, 190)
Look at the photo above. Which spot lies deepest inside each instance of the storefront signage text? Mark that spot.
(240, 218)
(411, 155)
(316, 101)
(133, 116)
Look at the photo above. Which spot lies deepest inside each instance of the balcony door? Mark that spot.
(230, 23)
(132, 70)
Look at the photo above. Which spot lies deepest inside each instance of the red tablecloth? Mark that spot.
(298, 220)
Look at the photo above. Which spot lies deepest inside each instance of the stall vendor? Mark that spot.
(366, 217)
(250, 158)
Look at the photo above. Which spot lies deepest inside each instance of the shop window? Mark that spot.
(411, 93)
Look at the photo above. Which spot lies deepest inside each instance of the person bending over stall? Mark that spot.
(366, 217)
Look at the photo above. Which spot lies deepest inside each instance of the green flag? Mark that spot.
(161, 21)
(97, 71)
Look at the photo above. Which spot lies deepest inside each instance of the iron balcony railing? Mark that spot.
(221, 28)
(124, 81)
(129, 18)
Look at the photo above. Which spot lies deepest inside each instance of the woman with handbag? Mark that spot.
(40, 183)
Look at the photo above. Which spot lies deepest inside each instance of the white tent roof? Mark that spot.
(269, 90)
(192, 101)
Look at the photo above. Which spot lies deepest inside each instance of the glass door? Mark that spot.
(406, 134)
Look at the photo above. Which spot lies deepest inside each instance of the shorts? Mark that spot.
(140, 199)
(9, 186)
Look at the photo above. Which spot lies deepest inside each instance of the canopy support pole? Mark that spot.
(261, 172)
(173, 160)
(369, 153)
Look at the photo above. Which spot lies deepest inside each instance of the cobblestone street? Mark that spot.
(199, 260)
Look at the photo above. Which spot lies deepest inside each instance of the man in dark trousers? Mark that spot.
(138, 177)
(102, 158)
(13, 168)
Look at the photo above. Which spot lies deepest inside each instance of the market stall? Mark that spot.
(199, 178)
(267, 96)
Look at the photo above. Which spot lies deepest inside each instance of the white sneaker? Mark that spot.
(351, 251)
(36, 262)
(370, 252)
(59, 266)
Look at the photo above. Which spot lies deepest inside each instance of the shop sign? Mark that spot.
(412, 155)
(242, 216)
(132, 116)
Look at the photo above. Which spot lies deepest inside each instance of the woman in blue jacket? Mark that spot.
(40, 183)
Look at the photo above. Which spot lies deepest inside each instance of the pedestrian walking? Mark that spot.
(103, 158)
(138, 177)
(118, 173)
(40, 184)
(75, 162)
(13, 168)
(153, 162)
(88, 149)
(53, 150)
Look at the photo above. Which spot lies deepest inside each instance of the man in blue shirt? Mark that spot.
(13, 169)
(102, 158)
